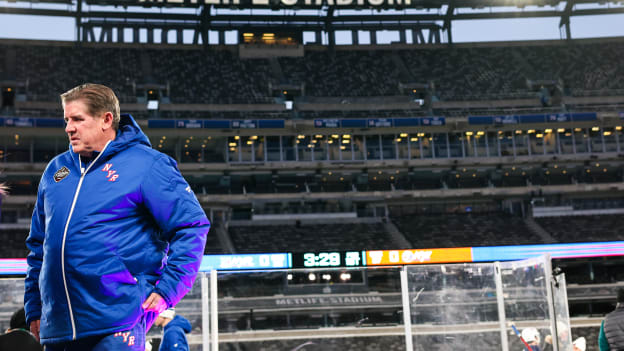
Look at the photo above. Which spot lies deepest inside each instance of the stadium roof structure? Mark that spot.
(435, 16)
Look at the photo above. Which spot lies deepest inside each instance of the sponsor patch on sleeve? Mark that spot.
(61, 174)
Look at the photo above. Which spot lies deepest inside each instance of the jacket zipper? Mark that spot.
(83, 173)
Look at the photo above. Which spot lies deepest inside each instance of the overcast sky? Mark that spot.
(60, 28)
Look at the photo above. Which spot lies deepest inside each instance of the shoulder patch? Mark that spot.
(60, 174)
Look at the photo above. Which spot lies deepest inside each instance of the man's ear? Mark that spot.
(107, 121)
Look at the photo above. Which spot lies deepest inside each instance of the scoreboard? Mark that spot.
(329, 259)
(368, 258)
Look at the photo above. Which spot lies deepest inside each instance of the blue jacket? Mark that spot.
(103, 239)
(174, 337)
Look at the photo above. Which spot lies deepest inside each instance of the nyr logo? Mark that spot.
(127, 337)
(111, 174)
(61, 174)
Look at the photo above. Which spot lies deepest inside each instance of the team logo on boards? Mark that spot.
(111, 174)
(61, 174)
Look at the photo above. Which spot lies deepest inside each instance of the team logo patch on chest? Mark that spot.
(111, 174)
(60, 174)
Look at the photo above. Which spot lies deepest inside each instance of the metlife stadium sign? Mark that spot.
(286, 3)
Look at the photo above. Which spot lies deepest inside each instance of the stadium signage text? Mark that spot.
(332, 301)
(391, 257)
(289, 3)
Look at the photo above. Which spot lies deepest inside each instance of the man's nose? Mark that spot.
(69, 127)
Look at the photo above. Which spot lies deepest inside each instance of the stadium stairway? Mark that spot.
(539, 230)
(224, 238)
(396, 235)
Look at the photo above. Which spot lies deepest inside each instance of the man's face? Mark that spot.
(159, 321)
(85, 132)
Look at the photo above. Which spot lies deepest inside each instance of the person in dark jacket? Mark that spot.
(611, 336)
(175, 329)
(17, 337)
(117, 234)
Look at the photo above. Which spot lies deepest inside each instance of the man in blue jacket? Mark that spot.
(116, 236)
(175, 329)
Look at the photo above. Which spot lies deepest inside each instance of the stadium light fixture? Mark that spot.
(578, 130)
(468, 133)
(548, 131)
(561, 130)
(618, 128)
(236, 137)
(403, 135)
(414, 139)
(152, 105)
(607, 133)
(518, 131)
(595, 129)
(530, 131)
(480, 133)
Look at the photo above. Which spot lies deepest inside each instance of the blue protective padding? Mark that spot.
(406, 122)
(481, 120)
(161, 123)
(217, 124)
(353, 123)
(271, 123)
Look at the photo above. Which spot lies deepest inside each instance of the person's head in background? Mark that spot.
(165, 317)
(18, 320)
(620, 297)
(531, 336)
(579, 344)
